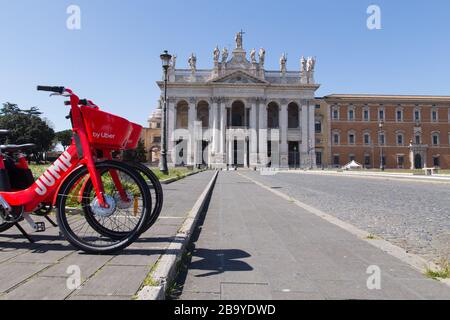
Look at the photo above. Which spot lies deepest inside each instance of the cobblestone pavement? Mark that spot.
(39, 271)
(253, 244)
(412, 215)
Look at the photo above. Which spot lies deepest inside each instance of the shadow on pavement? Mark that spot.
(213, 262)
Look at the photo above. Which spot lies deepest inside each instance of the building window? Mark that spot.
(435, 139)
(317, 106)
(336, 160)
(156, 139)
(434, 115)
(400, 139)
(417, 115)
(436, 162)
(366, 138)
(351, 114)
(336, 138)
(367, 161)
(400, 161)
(399, 115)
(318, 126)
(351, 138)
(335, 113)
(381, 115)
(366, 114)
(418, 139)
(351, 157)
(382, 139)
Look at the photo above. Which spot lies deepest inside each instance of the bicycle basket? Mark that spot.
(106, 130)
(135, 135)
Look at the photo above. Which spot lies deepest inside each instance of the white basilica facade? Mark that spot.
(238, 114)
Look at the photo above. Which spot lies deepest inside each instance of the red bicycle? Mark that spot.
(90, 195)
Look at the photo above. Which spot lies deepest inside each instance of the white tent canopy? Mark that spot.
(353, 166)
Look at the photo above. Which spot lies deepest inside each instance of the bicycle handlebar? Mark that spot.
(59, 90)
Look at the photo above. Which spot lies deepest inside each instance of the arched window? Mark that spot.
(335, 113)
(182, 115)
(417, 115)
(351, 113)
(399, 115)
(336, 138)
(273, 116)
(435, 139)
(238, 114)
(434, 115)
(351, 137)
(366, 113)
(367, 140)
(203, 113)
(293, 116)
(400, 138)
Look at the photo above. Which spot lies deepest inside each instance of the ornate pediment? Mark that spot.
(239, 77)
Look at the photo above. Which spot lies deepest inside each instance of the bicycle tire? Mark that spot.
(128, 238)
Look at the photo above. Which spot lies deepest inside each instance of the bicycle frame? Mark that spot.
(45, 189)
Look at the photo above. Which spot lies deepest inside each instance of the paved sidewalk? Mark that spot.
(256, 245)
(39, 271)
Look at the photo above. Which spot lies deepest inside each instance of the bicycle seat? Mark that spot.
(15, 148)
(4, 133)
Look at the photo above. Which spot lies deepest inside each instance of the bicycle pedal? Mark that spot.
(40, 227)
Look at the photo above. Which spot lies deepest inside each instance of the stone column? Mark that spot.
(214, 128)
(253, 136)
(230, 152)
(284, 148)
(191, 120)
(262, 132)
(304, 157)
(171, 127)
(312, 134)
(221, 134)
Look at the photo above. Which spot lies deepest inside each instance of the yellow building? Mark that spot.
(151, 137)
(322, 129)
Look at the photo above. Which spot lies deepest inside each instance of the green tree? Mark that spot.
(64, 138)
(27, 126)
(137, 154)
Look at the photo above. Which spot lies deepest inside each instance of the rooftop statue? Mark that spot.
(216, 54)
(283, 62)
(173, 63)
(303, 64)
(193, 62)
(253, 56)
(262, 56)
(224, 55)
(238, 40)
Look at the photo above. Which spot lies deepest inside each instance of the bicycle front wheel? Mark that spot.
(129, 208)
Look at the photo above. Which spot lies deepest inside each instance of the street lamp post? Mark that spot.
(165, 59)
(381, 147)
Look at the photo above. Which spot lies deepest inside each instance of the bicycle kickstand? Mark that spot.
(50, 220)
(24, 233)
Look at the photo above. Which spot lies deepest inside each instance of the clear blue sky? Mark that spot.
(114, 58)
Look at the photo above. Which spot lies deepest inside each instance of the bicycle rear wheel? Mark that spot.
(156, 194)
(155, 186)
(126, 216)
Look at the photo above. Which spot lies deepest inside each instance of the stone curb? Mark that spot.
(413, 260)
(172, 180)
(166, 267)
